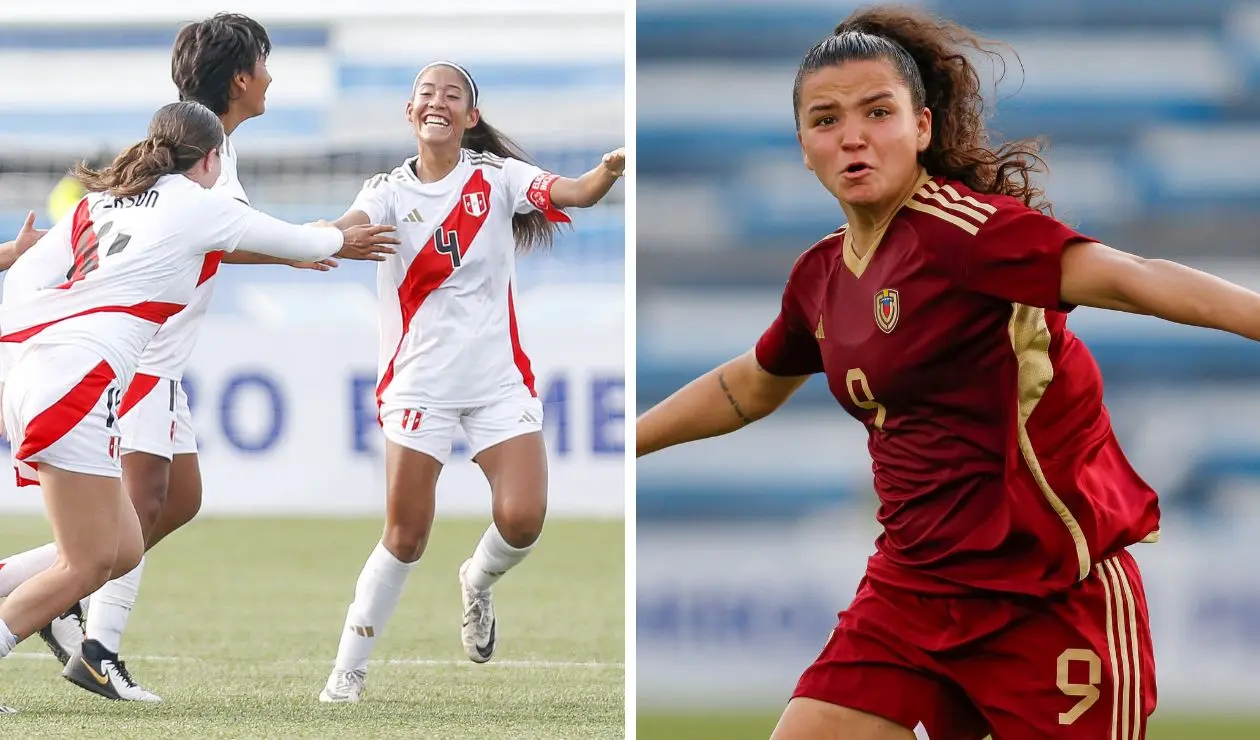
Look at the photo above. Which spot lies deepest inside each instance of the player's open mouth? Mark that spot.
(857, 170)
(437, 121)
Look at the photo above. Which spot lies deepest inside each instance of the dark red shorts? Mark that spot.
(1078, 665)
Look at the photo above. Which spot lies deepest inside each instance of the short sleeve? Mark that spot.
(1016, 255)
(530, 189)
(788, 347)
(374, 200)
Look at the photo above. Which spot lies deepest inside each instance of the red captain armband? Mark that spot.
(539, 196)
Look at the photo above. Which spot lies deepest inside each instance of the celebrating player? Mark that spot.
(140, 241)
(450, 352)
(221, 63)
(1002, 598)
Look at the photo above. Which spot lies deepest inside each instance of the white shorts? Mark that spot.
(59, 408)
(155, 418)
(432, 431)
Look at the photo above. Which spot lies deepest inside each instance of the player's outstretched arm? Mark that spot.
(1099, 276)
(268, 235)
(360, 248)
(721, 401)
(590, 188)
(26, 238)
(241, 257)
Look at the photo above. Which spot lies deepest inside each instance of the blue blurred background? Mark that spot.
(749, 544)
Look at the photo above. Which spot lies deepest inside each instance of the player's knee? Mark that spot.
(127, 558)
(520, 522)
(88, 571)
(147, 486)
(183, 508)
(405, 543)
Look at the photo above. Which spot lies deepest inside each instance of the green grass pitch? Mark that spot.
(238, 621)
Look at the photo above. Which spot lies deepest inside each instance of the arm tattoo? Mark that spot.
(734, 404)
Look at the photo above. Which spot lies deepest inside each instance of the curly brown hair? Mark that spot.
(930, 55)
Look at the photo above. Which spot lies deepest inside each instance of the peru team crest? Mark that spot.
(475, 203)
(887, 309)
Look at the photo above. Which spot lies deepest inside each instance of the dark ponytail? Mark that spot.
(930, 55)
(180, 136)
(531, 230)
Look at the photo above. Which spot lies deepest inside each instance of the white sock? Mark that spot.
(20, 568)
(8, 640)
(376, 596)
(492, 558)
(110, 608)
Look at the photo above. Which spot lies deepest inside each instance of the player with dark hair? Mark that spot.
(1002, 598)
(127, 259)
(221, 63)
(450, 352)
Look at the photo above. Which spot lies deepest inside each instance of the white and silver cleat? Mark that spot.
(344, 687)
(479, 631)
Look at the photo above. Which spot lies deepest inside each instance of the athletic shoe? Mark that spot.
(98, 670)
(344, 687)
(64, 635)
(480, 628)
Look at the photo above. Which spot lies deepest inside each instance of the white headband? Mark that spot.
(467, 77)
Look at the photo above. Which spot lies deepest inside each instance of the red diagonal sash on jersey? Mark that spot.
(431, 268)
(156, 311)
(141, 386)
(83, 245)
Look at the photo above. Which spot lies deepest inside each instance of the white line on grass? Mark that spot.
(386, 661)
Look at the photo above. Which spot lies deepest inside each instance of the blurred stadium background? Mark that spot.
(748, 545)
(281, 384)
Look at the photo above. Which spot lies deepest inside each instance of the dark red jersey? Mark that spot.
(994, 458)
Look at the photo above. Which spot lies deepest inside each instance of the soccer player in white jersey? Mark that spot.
(140, 242)
(450, 352)
(221, 63)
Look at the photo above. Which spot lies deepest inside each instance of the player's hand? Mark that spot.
(368, 242)
(28, 235)
(320, 266)
(615, 161)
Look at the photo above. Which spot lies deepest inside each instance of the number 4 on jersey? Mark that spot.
(446, 241)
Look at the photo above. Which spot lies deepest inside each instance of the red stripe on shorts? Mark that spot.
(141, 386)
(57, 420)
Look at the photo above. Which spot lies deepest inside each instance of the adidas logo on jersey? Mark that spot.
(529, 418)
(414, 217)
